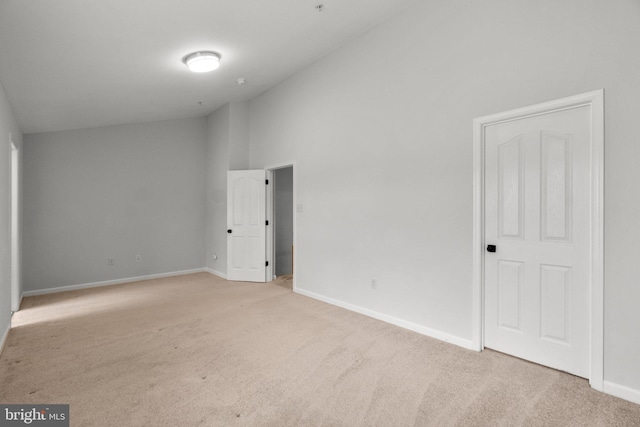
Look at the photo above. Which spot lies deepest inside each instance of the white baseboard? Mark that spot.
(3, 340)
(623, 392)
(216, 273)
(111, 282)
(442, 336)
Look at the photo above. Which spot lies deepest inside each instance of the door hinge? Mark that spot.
(266, 222)
(266, 263)
(266, 182)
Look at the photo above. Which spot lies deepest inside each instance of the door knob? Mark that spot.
(491, 248)
(229, 231)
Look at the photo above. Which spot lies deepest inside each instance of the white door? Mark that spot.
(537, 215)
(246, 225)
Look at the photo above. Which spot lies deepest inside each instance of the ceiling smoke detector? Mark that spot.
(202, 62)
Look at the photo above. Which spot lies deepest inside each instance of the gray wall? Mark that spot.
(217, 166)
(238, 136)
(8, 126)
(113, 192)
(227, 149)
(283, 201)
(381, 133)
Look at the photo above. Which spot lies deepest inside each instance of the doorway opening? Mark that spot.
(15, 224)
(281, 234)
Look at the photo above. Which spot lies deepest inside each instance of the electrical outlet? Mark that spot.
(138, 258)
(374, 284)
(111, 261)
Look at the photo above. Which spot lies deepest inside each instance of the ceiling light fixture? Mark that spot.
(202, 62)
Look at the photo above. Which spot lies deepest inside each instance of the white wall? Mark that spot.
(8, 126)
(381, 133)
(227, 149)
(238, 135)
(283, 203)
(113, 192)
(217, 166)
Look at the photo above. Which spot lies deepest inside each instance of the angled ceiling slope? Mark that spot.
(71, 64)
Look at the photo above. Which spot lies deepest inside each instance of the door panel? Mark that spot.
(555, 310)
(556, 187)
(510, 283)
(511, 200)
(246, 215)
(537, 201)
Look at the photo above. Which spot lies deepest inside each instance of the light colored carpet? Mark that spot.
(198, 350)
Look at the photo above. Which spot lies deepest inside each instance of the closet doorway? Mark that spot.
(283, 220)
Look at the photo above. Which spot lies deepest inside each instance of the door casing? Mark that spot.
(595, 101)
(15, 226)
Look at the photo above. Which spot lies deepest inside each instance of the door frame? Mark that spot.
(16, 298)
(595, 101)
(271, 238)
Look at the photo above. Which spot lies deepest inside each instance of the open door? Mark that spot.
(246, 226)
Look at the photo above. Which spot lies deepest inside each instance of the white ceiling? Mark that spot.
(70, 64)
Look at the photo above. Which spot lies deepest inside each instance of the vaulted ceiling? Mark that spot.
(70, 64)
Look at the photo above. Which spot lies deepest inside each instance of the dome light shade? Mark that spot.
(202, 62)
